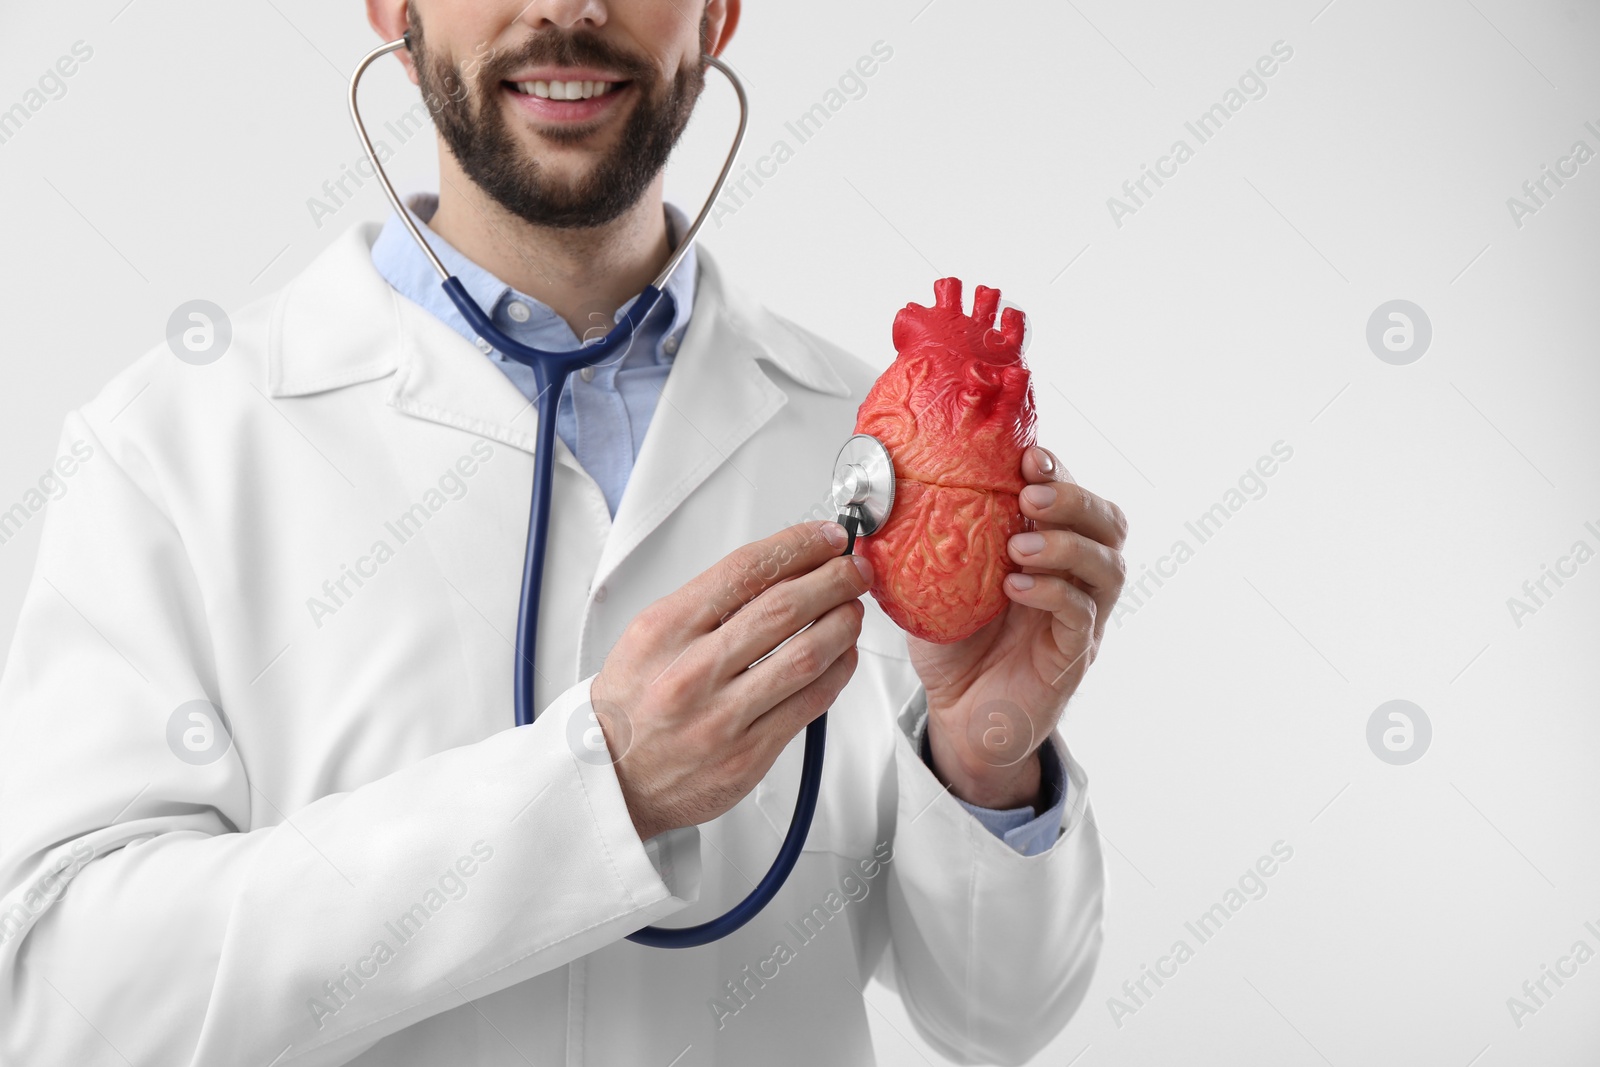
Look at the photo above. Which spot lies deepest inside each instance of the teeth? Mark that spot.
(565, 90)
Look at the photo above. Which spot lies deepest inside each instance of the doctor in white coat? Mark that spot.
(261, 801)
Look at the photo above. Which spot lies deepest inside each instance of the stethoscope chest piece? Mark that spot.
(863, 482)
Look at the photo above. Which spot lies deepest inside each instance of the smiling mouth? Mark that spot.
(566, 90)
(570, 103)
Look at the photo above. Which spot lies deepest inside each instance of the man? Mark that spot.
(261, 804)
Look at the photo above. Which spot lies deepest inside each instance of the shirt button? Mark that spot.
(670, 345)
(518, 311)
(600, 595)
(587, 374)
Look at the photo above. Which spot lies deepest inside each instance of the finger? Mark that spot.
(1039, 464)
(1098, 566)
(786, 609)
(738, 578)
(802, 660)
(1067, 505)
(1076, 617)
(779, 726)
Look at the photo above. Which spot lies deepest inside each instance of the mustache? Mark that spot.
(561, 48)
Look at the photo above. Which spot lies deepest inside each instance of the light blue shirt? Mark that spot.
(603, 417)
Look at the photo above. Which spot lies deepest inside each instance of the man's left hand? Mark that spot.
(995, 697)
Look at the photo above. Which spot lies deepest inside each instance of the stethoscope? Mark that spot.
(863, 493)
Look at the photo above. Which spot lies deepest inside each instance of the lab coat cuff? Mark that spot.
(1023, 831)
(667, 865)
(1024, 828)
(676, 857)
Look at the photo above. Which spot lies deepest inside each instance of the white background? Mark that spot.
(1229, 711)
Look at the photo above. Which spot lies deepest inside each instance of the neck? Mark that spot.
(583, 275)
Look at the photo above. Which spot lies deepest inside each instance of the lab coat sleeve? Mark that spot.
(991, 951)
(145, 920)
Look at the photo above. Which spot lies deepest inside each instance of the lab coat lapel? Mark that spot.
(716, 398)
(340, 323)
(445, 378)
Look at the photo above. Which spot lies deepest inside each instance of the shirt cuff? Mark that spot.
(1024, 829)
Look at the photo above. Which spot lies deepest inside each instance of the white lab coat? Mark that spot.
(376, 839)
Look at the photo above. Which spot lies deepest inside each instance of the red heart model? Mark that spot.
(955, 410)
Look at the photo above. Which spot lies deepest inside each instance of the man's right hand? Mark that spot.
(690, 693)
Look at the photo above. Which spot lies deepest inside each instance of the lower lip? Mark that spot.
(568, 112)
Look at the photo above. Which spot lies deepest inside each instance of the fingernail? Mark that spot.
(864, 568)
(1028, 543)
(1039, 496)
(1045, 461)
(1021, 582)
(834, 534)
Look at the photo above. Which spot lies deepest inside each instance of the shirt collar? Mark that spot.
(341, 323)
(403, 265)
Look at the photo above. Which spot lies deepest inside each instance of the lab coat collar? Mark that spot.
(335, 323)
(339, 323)
(400, 261)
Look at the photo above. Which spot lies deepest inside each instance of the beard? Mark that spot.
(470, 118)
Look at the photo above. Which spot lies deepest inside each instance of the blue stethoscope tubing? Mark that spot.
(550, 371)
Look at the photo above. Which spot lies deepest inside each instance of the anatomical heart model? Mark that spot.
(955, 411)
